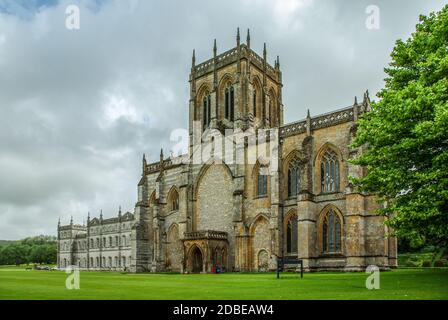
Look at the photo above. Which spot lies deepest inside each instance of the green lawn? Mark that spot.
(396, 284)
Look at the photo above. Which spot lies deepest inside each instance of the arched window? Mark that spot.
(97, 262)
(229, 94)
(116, 241)
(254, 102)
(124, 261)
(123, 240)
(329, 172)
(104, 242)
(174, 200)
(331, 233)
(292, 236)
(293, 179)
(206, 110)
(91, 262)
(110, 241)
(262, 182)
(110, 262)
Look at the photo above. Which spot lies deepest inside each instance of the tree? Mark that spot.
(406, 134)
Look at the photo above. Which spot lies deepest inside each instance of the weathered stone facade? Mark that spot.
(240, 215)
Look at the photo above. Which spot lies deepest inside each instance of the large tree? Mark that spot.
(406, 134)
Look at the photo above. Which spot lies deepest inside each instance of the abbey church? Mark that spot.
(252, 189)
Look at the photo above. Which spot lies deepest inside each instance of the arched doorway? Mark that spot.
(196, 259)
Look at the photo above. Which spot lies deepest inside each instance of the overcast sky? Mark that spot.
(78, 108)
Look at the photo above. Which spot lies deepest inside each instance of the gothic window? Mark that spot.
(123, 240)
(206, 113)
(97, 262)
(331, 233)
(116, 241)
(229, 94)
(329, 172)
(110, 241)
(97, 242)
(124, 261)
(262, 185)
(174, 200)
(104, 242)
(293, 179)
(110, 262)
(292, 235)
(254, 102)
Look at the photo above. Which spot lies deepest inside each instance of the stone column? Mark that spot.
(307, 229)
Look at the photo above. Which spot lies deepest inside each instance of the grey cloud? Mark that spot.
(78, 108)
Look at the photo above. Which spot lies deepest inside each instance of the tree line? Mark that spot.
(41, 249)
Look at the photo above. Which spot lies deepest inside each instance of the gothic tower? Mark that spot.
(237, 89)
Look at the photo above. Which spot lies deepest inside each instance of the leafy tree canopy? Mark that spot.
(406, 133)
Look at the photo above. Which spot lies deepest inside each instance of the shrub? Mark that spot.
(426, 264)
(439, 264)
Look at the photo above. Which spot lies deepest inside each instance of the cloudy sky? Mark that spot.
(78, 108)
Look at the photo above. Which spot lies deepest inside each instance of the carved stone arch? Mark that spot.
(174, 248)
(202, 172)
(295, 157)
(260, 239)
(173, 199)
(255, 220)
(325, 147)
(341, 173)
(272, 107)
(290, 231)
(226, 81)
(152, 199)
(195, 253)
(203, 91)
(257, 87)
(261, 168)
(320, 222)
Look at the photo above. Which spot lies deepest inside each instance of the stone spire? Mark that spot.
(144, 164)
(88, 217)
(238, 39)
(248, 38)
(366, 97)
(308, 123)
(161, 155)
(71, 220)
(277, 63)
(193, 59)
(59, 222)
(264, 52)
(215, 49)
(101, 215)
(356, 101)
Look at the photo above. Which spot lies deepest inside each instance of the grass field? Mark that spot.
(397, 284)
